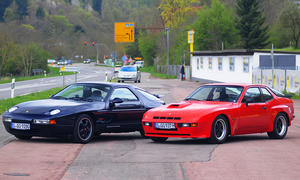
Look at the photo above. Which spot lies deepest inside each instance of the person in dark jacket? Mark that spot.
(182, 72)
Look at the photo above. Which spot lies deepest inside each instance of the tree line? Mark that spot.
(217, 25)
(20, 60)
(61, 27)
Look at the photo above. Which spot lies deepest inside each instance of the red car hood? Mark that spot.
(187, 109)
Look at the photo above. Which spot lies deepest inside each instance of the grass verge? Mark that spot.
(150, 69)
(7, 103)
(54, 71)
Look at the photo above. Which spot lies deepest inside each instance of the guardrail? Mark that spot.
(284, 79)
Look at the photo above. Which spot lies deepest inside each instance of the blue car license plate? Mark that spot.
(165, 126)
(20, 126)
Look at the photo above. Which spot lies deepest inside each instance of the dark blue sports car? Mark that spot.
(81, 111)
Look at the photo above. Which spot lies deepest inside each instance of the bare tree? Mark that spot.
(290, 19)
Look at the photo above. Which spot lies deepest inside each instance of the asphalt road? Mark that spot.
(128, 156)
(88, 72)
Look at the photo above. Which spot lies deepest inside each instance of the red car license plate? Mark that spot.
(165, 126)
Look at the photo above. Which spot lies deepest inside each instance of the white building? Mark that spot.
(238, 66)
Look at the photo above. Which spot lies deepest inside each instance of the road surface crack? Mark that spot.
(183, 171)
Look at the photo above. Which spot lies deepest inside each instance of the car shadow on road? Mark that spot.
(183, 141)
(116, 137)
(47, 140)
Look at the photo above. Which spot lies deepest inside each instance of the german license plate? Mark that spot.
(20, 126)
(165, 126)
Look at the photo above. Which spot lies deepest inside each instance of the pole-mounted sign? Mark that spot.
(124, 32)
(191, 39)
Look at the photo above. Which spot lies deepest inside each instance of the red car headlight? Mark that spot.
(147, 124)
(187, 124)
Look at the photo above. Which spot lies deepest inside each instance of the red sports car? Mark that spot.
(216, 111)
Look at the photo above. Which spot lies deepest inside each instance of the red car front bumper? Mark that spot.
(200, 131)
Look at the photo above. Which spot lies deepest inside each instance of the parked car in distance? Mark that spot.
(129, 73)
(69, 62)
(86, 61)
(139, 64)
(51, 61)
(117, 68)
(81, 111)
(61, 62)
(216, 111)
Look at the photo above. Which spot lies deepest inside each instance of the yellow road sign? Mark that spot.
(124, 32)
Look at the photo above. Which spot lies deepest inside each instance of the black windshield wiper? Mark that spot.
(58, 97)
(81, 99)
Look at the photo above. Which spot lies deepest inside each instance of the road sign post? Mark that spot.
(124, 32)
(191, 42)
(168, 49)
(12, 94)
(69, 69)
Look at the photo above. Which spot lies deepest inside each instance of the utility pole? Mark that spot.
(97, 58)
(272, 58)
(168, 46)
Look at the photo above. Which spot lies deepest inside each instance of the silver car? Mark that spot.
(129, 73)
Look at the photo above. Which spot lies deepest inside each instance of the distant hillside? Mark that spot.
(61, 26)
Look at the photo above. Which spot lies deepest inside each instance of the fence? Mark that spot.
(174, 70)
(283, 79)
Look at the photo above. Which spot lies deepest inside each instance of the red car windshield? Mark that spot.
(216, 93)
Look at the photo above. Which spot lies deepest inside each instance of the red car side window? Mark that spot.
(252, 95)
(266, 95)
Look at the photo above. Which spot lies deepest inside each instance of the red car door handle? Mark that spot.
(264, 107)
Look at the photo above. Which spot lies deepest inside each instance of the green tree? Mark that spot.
(289, 18)
(147, 47)
(173, 12)
(213, 26)
(97, 6)
(22, 8)
(3, 5)
(40, 13)
(133, 50)
(250, 23)
(33, 56)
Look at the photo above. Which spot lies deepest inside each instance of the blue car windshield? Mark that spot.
(128, 69)
(84, 92)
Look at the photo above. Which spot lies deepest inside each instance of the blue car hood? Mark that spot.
(65, 106)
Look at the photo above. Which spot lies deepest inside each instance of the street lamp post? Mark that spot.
(168, 46)
(272, 58)
(97, 57)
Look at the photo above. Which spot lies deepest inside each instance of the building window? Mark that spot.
(209, 63)
(201, 63)
(220, 63)
(231, 63)
(246, 64)
(198, 63)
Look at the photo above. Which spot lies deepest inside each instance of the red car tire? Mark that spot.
(280, 127)
(219, 130)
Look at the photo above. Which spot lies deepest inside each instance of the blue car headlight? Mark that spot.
(12, 109)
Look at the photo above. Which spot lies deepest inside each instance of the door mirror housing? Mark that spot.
(247, 100)
(114, 101)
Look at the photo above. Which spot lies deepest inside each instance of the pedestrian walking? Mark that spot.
(182, 72)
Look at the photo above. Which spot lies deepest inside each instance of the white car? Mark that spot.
(129, 73)
(61, 62)
(139, 64)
